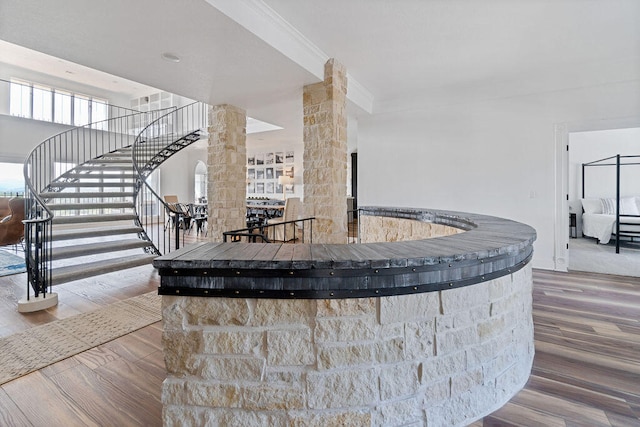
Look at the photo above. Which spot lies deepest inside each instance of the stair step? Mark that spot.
(83, 206)
(76, 272)
(91, 184)
(84, 233)
(81, 219)
(99, 174)
(86, 195)
(107, 161)
(97, 248)
(91, 167)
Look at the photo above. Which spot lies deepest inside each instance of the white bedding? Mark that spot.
(601, 226)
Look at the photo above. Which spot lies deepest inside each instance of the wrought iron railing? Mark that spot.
(48, 162)
(162, 138)
(302, 232)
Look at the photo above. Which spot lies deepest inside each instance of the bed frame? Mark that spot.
(618, 161)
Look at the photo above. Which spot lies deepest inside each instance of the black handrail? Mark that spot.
(50, 161)
(258, 231)
(159, 140)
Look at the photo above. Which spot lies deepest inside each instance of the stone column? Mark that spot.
(227, 154)
(325, 154)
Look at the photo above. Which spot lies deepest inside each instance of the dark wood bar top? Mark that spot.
(489, 247)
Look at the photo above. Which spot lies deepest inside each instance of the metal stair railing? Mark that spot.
(187, 124)
(48, 162)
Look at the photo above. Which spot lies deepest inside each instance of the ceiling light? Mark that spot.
(171, 57)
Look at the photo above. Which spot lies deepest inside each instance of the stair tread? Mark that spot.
(92, 184)
(81, 206)
(78, 219)
(76, 272)
(94, 232)
(97, 248)
(84, 195)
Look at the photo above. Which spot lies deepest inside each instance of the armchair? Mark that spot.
(11, 226)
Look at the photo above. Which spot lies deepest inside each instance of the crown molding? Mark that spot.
(264, 22)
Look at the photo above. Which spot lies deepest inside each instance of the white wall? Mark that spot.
(495, 157)
(177, 174)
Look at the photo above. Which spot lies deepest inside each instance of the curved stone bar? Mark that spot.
(489, 248)
(440, 333)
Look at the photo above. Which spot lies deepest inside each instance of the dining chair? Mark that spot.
(285, 232)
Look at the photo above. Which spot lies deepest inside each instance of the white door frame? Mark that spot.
(561, 133)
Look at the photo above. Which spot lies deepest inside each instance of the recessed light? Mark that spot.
(171, 57)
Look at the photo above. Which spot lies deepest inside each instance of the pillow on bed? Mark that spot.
(592, 206)
(628, 206)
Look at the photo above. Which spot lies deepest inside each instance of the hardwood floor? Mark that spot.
(586, 369)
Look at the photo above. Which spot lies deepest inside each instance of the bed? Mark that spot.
(617, 216)
(599, 218)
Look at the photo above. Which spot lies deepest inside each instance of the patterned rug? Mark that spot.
(11, 263)
(44, 345)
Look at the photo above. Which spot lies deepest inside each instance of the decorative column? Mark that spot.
(227, 154)
(325, 154)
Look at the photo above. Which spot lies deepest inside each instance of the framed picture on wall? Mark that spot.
(251, 160)
(288, 171)
(260, 159)
(270, 187)
(289, 157)
(279, 172)
(269, 173)
(259, 187)
(279, 157)
(260, 173)
(251, 188)
(269, 158)
(279, 188)
(251, 173)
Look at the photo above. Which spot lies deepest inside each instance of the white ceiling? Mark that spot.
(257, 54)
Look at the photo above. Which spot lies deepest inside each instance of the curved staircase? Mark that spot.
(100, 215)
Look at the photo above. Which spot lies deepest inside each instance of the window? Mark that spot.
(201, 182)
(39, 102)
(42, 105)
(20, 100)
(11, 179)
(62, 107)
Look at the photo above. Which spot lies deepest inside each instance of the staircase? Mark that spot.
(100, 215)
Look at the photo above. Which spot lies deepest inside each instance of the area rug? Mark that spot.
(44, 345)
(11, 263)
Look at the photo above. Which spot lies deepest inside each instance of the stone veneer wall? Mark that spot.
(227, 163)
(436, 359)
(325, 154)
(386, 229)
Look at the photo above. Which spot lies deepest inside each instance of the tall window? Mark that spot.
(11, 179)
(62, 107)
(200, 181)
(39, 102)
(42, 105)
(20, 100)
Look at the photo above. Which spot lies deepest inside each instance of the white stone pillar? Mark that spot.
(227, 154)
(325, 154)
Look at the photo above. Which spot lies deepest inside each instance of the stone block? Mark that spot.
(233, 368)
(342, 389)
(217, 311)
(464, 298)
(399, 413)
(399, 381)
(330, 330)
(290, 347)
(341, 356)
(346, 307)
(354, 418)
(271, 397)
(281, 311)
(420, 340)
(454, 340)
(248, 342)
(412, 307)
(180, 351)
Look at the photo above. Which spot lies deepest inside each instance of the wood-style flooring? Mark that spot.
(586, 368)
